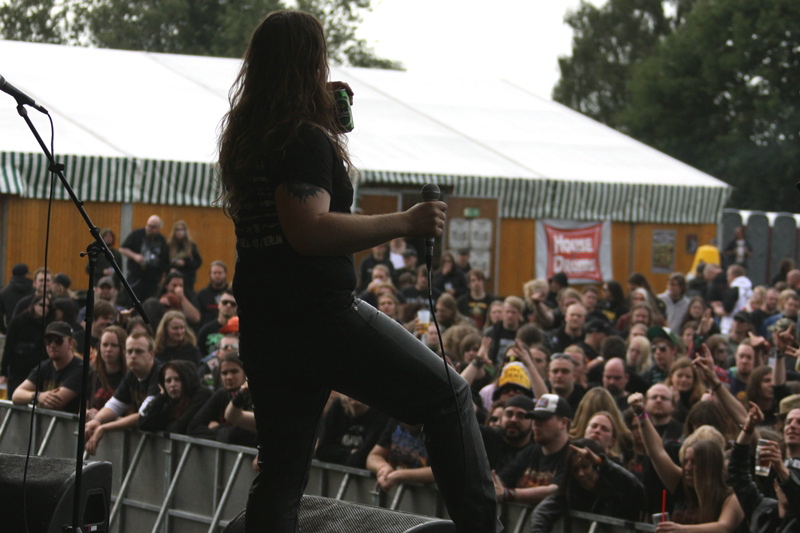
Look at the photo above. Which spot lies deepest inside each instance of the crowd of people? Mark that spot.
(630, 406)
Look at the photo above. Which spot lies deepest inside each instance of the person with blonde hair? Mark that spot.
(704, 502)
(184, 255)
(599, 400)
(687, 385)
(638, 355)
(175, 339)
(536, 309)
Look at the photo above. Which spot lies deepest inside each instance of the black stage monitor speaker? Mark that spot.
(49, 492)
(324, 515)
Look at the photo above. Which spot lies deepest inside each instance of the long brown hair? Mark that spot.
(282, 85)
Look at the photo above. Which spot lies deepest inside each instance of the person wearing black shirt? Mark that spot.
(59, 376)
(350, 430)
(512, 436)
(284, 176)
(148, 257)
(208, 297)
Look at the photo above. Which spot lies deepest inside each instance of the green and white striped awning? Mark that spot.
(111, 179)
(130, 180)
(576, 200)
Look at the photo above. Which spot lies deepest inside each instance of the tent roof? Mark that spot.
(479, 136)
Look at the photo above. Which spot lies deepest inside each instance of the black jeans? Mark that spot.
(364, 354)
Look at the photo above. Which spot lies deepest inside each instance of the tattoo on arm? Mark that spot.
(302, 189)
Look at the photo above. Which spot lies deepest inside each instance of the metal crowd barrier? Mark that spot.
(180, 484)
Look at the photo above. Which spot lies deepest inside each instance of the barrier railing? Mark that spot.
(181, 484)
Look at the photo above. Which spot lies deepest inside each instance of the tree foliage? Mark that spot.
(607, 42)
(199, 27)
(721, 94)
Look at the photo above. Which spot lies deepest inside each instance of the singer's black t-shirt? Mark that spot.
(268, 268)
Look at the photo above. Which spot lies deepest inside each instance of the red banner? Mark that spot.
(576, 252)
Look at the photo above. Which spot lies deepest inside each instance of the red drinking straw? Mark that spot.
(663, 504)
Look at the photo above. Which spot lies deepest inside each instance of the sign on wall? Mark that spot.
(475, 235)
(579, 249)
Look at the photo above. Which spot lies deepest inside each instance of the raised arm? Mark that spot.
(303, 211)
(669, 473)
(705, 364)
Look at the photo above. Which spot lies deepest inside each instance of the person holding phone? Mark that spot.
(284, 171)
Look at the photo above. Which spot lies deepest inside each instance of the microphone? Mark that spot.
(430, 193)
(19, 96)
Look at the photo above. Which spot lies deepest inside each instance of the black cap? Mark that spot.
(63, 280)
(106, 281)
(550, 405)
(560, 278)
(744, 316)
(521, 401)
(597, 325)
(20, 269)
(62, 329)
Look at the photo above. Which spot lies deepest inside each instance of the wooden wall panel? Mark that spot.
(517, 255)
(210, 229)
(69, 235)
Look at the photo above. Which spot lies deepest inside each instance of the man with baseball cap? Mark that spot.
(664, 344)
(59, 376)
(537, 471)
(505, 442)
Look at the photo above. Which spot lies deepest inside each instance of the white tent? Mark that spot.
(141, 127)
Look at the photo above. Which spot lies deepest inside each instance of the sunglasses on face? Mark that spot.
(58, 341)
(227, 302)
(660, 348)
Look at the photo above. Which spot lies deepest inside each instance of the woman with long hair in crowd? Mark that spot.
(24, 346)
(175, 339)
(284, 168)
(703, 501)
(687, 384)
(613, 303)
(109, 366)
(599, 400)
(637, 357)
(180, 398)
(184, 255)
(766, 388)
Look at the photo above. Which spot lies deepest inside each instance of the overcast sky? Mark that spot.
(518, 40)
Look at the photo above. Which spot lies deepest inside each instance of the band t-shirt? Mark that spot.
(532, 468)
(68, 377)
(133, 391)
(303, 284)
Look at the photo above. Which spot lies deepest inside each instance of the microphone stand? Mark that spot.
(96, 247)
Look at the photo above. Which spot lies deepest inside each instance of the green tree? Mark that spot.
(607, 42)
(721, 94)
(199, 27)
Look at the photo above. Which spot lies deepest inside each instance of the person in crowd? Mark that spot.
(103, 315)
(564, 299)
(747, 359)
(791, 436)
(447, 313)
(504, 332)
(210, 422)
(66, 310)
(766, 388)
(594, 484)
(55, 383)
(108, 368)
(389, 305)
(448, 278)
(138, 388)
(418, 293)
(495, 314)
(474, 304)
(19, 286)
(675, 300)
(556, 283)
(788, 305)
(537, 471)
(665, 350)
(106, 290)
(779, 515)
(513, 379)
(637, 356)
(738, 250)
(451, 339)
(768, 309)
(172, 297)
(613, 303)
(42, 282)
(408, 266)
(596, 331)
(397, 247)
(176, 340)
(400, 456)
(208, 297)
(102, 267)
(179, 399)
(209, 370)
(659, 406)
(698, 484)
(148, 258)
(60, 287)
(638, 281)
(379, 255)
(735, 297)
(572, 331)
(687, 385)
(137, 325)
(381, 276)
(536, 309)
(238, 412)
(24, 342)
(561, 376)
(209, 335)
(184, 255)
(710, 413)
(350, 431)
(462, 260)
(512, 434)
(590, 298)
(285, 183)
(579, 357)
(615, 381)
(598, 400)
